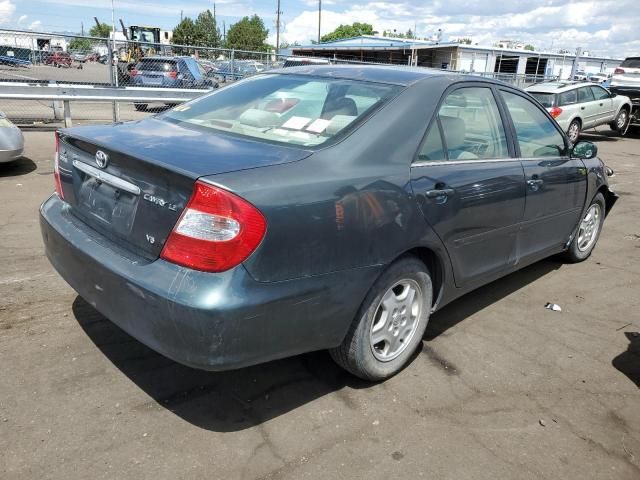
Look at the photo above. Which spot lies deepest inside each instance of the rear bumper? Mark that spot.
(10, 155)
(208, 321)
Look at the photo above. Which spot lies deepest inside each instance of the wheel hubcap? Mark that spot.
(573, 132)
(588, 231)
(622, 119)
(396, 320)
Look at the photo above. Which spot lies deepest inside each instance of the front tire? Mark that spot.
(621, 123)
(390, 323)
(588, 233)
(140, 107)
(573, 132)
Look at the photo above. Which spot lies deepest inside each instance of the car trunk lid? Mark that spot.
(130, 182)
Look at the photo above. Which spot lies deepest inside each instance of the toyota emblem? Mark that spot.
(102, 159)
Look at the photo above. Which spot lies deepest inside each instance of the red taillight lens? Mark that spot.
(133, 72)
(56, 168)
(618, 71)
(171, 74)
(217, 231)
(555, 112)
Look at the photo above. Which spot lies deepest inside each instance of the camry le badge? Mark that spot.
(102, 159)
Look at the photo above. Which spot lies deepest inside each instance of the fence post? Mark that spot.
(67, 114)
(113, 72)
(233, 72)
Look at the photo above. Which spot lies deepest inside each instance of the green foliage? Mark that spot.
(465, 41)
(185, 33)
(530, 48)
(349, 31)
(101, 30)
(207, 32)
(248, 34)
(80, 45)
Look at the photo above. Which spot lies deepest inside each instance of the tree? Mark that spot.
(409, 34)
(207, 32)
(248, 34)
(101, 30)
(530, 48)
(80, 44)
(465, 41)
(185, 33)
(349, 31)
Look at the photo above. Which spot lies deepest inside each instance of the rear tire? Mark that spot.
(573, 132)
(588, 232)
(390, 323)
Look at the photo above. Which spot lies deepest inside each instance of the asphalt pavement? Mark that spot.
(502, 387)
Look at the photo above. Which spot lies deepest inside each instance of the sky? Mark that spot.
(602, 27)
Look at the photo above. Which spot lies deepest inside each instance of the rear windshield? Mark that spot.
(155, 65)
(292, 109)
(546, 99)
(633, 62)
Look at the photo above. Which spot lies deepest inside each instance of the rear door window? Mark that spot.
(537, 136)
(568, 98)
(155, 65)
(633, 62)
(471, 125)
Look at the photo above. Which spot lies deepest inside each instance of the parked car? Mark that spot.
(578, 106)
(11, 140)
(58, 59)
(599, 78)
(316, 208)
(169, 72)
(581, 76)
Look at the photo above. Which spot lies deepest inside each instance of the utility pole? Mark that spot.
(180, 16)
(215, 26)
(319, 18)
(278, 13)
(82, 29)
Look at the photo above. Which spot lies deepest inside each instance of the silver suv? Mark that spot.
(577, 106)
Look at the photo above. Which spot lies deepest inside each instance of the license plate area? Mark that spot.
(111, 206)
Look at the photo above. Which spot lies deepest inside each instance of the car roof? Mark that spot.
(392, 74)
(557, 86)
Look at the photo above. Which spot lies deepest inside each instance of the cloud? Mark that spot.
(35, 25)
(6, 11)
(602, 27)
(22, 19)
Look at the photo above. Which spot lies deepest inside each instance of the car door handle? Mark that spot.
(601, 104)
(535, 183)
(581, 108)
(444, 192)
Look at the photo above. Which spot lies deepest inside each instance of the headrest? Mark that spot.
(340, 106)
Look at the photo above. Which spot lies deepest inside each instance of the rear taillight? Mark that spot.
(618, 71)
(217, 231)
(171, 74)
(555, 112)
(56, 168)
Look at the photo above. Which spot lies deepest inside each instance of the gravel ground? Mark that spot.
(501, 389)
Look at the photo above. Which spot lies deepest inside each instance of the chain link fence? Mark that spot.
(47, 58)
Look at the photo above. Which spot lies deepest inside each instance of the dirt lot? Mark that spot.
(502, 389)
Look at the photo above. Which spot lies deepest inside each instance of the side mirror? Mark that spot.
(613, 95)
(584, 150)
